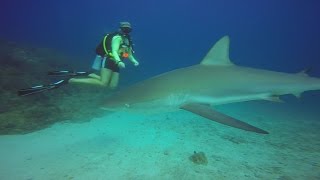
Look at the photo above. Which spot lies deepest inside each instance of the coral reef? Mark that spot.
(23, 66)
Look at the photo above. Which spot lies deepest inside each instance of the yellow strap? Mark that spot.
(104, 44)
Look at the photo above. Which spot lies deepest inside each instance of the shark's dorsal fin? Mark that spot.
(218, 54)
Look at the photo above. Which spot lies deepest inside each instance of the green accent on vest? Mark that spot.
(105, 47)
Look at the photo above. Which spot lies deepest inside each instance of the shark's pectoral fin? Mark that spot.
(206, 111)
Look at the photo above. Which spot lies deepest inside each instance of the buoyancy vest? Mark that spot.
(104, 48)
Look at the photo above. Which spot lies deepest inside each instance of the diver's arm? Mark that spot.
(132, 59)
(116, 41)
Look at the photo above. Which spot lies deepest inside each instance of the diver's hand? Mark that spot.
(135, 63)
(121, 65)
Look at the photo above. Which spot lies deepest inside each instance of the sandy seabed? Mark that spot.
(131, 146)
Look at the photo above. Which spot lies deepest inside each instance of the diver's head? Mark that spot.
(125, 27)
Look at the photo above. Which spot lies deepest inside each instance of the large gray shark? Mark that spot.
(215, 81)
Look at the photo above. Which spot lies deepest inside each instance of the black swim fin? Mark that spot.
(41, 88)
(67, 73)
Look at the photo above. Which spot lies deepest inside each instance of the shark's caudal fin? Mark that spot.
(218, 54)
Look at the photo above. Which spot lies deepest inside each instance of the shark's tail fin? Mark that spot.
(219, 53)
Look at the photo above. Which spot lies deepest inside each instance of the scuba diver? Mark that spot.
(110, 55)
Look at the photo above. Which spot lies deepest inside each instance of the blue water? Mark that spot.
(279, 35)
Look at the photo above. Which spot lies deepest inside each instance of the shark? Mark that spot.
(215, 81)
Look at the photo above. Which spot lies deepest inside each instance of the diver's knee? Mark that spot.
(104, 84)
(113, 87)
(72, 80)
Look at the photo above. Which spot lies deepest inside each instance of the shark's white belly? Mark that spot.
(174, 101)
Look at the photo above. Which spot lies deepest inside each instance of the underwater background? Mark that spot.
(277, 35)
